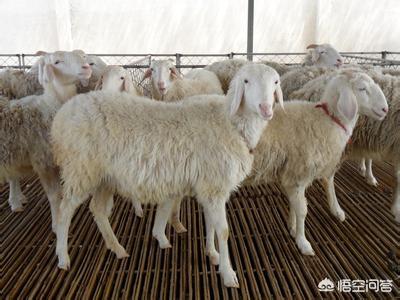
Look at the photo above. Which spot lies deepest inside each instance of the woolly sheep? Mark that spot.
(322, 55)
(117, 79)
(168, 85)
(25, 124)
(294, 163)
(156, 152)
(16, 84)
(371, 139)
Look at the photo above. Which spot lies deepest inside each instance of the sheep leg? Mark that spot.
(369, 175)
(16, 198)
(292, 221)
(138, 208)
(66, 212)
(299, 203)
(210, 243)
(334, 205)
(363, 168)
(50, 181)
(162, 215)
(175, 217)
(99, 208)
(396, 199)
(216, 213)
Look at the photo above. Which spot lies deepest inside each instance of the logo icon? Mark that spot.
(326, 285)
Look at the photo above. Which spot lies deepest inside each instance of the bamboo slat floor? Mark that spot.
(263, 253)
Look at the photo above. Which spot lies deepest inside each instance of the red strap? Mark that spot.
(324, 107)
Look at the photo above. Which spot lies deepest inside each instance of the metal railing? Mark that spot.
(188, 61)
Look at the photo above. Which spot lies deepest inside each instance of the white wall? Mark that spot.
(196, 26)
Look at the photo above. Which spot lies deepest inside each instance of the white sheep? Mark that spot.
(378, 140)
(168, 85)
(318, 135)
(25, 125)
(322, 55)
(117, 79)
(157, 152)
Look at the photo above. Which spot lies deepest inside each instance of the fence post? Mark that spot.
(19, 61)
(384, 54)
(23, 61)
(178, 61)
(250, 26)
(230, 55)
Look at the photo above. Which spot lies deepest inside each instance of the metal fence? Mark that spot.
(188, 61)
(185, 62)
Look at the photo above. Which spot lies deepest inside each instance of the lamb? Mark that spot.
(322, 55)
(98, 67)
(378, 140)
(168, 85)
(157, 152)
(25, 126)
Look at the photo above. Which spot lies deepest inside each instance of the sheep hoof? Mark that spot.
(19, 208)
(340, 214)
(214, 257)
(396, 213)
(165, 245)
(121, 252)
(179, 228)
(64, 264)
(229, 277)
(372, 181)
(293, 231)
(139, 212)
(305, 247)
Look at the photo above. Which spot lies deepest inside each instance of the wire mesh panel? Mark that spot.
(10, 61)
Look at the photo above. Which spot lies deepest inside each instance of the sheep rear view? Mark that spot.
(157, 152)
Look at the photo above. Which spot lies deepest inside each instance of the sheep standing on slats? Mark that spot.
(157, 152)
(25, 126)
(377, 140)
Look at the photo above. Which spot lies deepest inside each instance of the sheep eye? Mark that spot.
(91, 64)
(57, 62)
(151, 69)
(363, 89)
(246, 81)
(122, 77)
(276, 82)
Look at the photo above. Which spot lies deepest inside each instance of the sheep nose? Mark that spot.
(86, 67)
(339, 61)
(161, 84)
(266, 111)
(385, 110)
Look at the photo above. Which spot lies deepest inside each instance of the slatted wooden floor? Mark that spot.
(263, 253)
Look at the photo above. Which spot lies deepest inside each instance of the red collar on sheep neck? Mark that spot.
(335, 119)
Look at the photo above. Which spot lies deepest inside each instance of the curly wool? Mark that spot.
(16, 84)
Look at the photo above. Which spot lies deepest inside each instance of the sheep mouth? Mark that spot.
(84, 75)
(379, 115)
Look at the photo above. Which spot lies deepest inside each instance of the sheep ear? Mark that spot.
(99, 84)
(40, 53)
(41, 71)
(315, 55)
(127, 85)
(175, 73)
(147, 74)
(347, 104)
(48, 74)
(238, 92)
(279, 95)
(312, 46)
